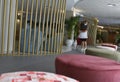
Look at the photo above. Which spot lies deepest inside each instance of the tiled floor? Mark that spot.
(32, 63)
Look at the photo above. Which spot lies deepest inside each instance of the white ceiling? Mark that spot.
(101, 10)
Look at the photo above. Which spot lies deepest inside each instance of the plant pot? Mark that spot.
(69, 42)
(75, 44)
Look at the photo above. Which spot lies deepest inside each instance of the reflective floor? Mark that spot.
(32, 63)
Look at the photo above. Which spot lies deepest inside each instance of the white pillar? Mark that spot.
(6, 24)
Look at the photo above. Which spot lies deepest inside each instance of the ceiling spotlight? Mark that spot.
(111, 5)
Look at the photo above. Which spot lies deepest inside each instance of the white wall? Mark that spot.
(69, 8)
(70, 4)
(69, 14)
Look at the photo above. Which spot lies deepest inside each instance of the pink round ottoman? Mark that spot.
(87, 68)
(34, 76)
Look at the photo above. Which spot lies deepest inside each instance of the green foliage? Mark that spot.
(71, 25)
(118, 39)
(76, 31)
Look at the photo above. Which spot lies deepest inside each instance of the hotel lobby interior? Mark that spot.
(34, 35)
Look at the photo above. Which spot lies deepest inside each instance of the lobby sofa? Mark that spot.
(114, 55)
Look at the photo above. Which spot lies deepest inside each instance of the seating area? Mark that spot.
(87, 68)
(105, 50)
(101, 52)
(59, 41)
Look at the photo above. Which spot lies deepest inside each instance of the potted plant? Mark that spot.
(71, 26)
(76, 33)
(118, 40)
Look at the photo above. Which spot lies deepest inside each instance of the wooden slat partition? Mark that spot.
(37, 27)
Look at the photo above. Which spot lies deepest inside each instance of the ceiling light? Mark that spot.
(100, 27)
(111, 5)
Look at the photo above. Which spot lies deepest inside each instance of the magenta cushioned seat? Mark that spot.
(87, 68)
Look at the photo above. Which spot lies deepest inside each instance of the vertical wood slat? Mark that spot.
(14, 39)
(43, 26)
(21, 20)
(3, 28)
(59, 28)
(51, 18)
(50, 25)
(56, 27)
(53, 25)
(10, 13)
(39, 26)
(0, 21)
(31, 24)
(62, 24)
(36, 12)
(26, 18)
(46, 40)
(50, 21)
